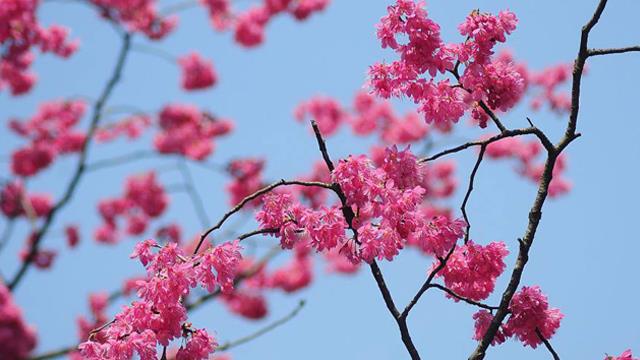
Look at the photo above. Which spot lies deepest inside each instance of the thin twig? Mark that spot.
(547, 344)
(467, 195)
(82, 162)
(597, 52)
(462, 298)
(252, 197)
(231, 344)
(508, 133)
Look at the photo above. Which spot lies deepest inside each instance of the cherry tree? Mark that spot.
(350, 213)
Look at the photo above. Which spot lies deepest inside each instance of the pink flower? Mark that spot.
(293, 276)
(17, 339)
(627, 355)
(72, 234)
(249, 31)
(530, 312)
(197, 73)
(186, 130)
(472, 269)
(325, 111)
(198, 347)
(483, 319)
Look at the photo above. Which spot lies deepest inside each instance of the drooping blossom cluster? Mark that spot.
(20, 33)
(16, 202)
(197, 72)
(472, 269)
(369, 115)
(143, 199)
(188, 131)
(385, 200)
(160, 316)
(130, 127)
(246, 178)
(17, 338)
(249, 25)
(139, 16)
(549, 80)
(50, 133)
(525, 153)
(496, 83)
(249, 301)
(530, 317)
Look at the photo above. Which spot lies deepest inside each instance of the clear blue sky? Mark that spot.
(586, 252)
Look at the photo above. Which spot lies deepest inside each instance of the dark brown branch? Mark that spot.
(231, 344)
(492, 115)
(507, 133)
(547, 344)
(254, 196)
(257, 232)
(535, 213)
(462, 298)
(349, 216)
(467, 195)
(427, 283)
(597, 52)
(82, 162)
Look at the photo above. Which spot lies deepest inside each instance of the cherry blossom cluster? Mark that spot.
(386, 201)
(160, 316)
(472, 269)
(246, 178)
(497, 83)
(20, 33)
(188, 131)
(249, 25)
(249, 301)
(525, 154)
(17, 339)
(16, 202)
(143, 199)
(197, 72)
(50, 133)
(530, 317)
(139, 16)
(369, 115)
(549, 80)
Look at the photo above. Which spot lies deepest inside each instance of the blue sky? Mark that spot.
(585, 254)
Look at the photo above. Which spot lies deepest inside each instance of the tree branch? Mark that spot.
(81, 166)
(535, 213)
(547, 344)
(598, 52)
(507, 133)
(349, 216)
(472, 178)
(254, 196)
